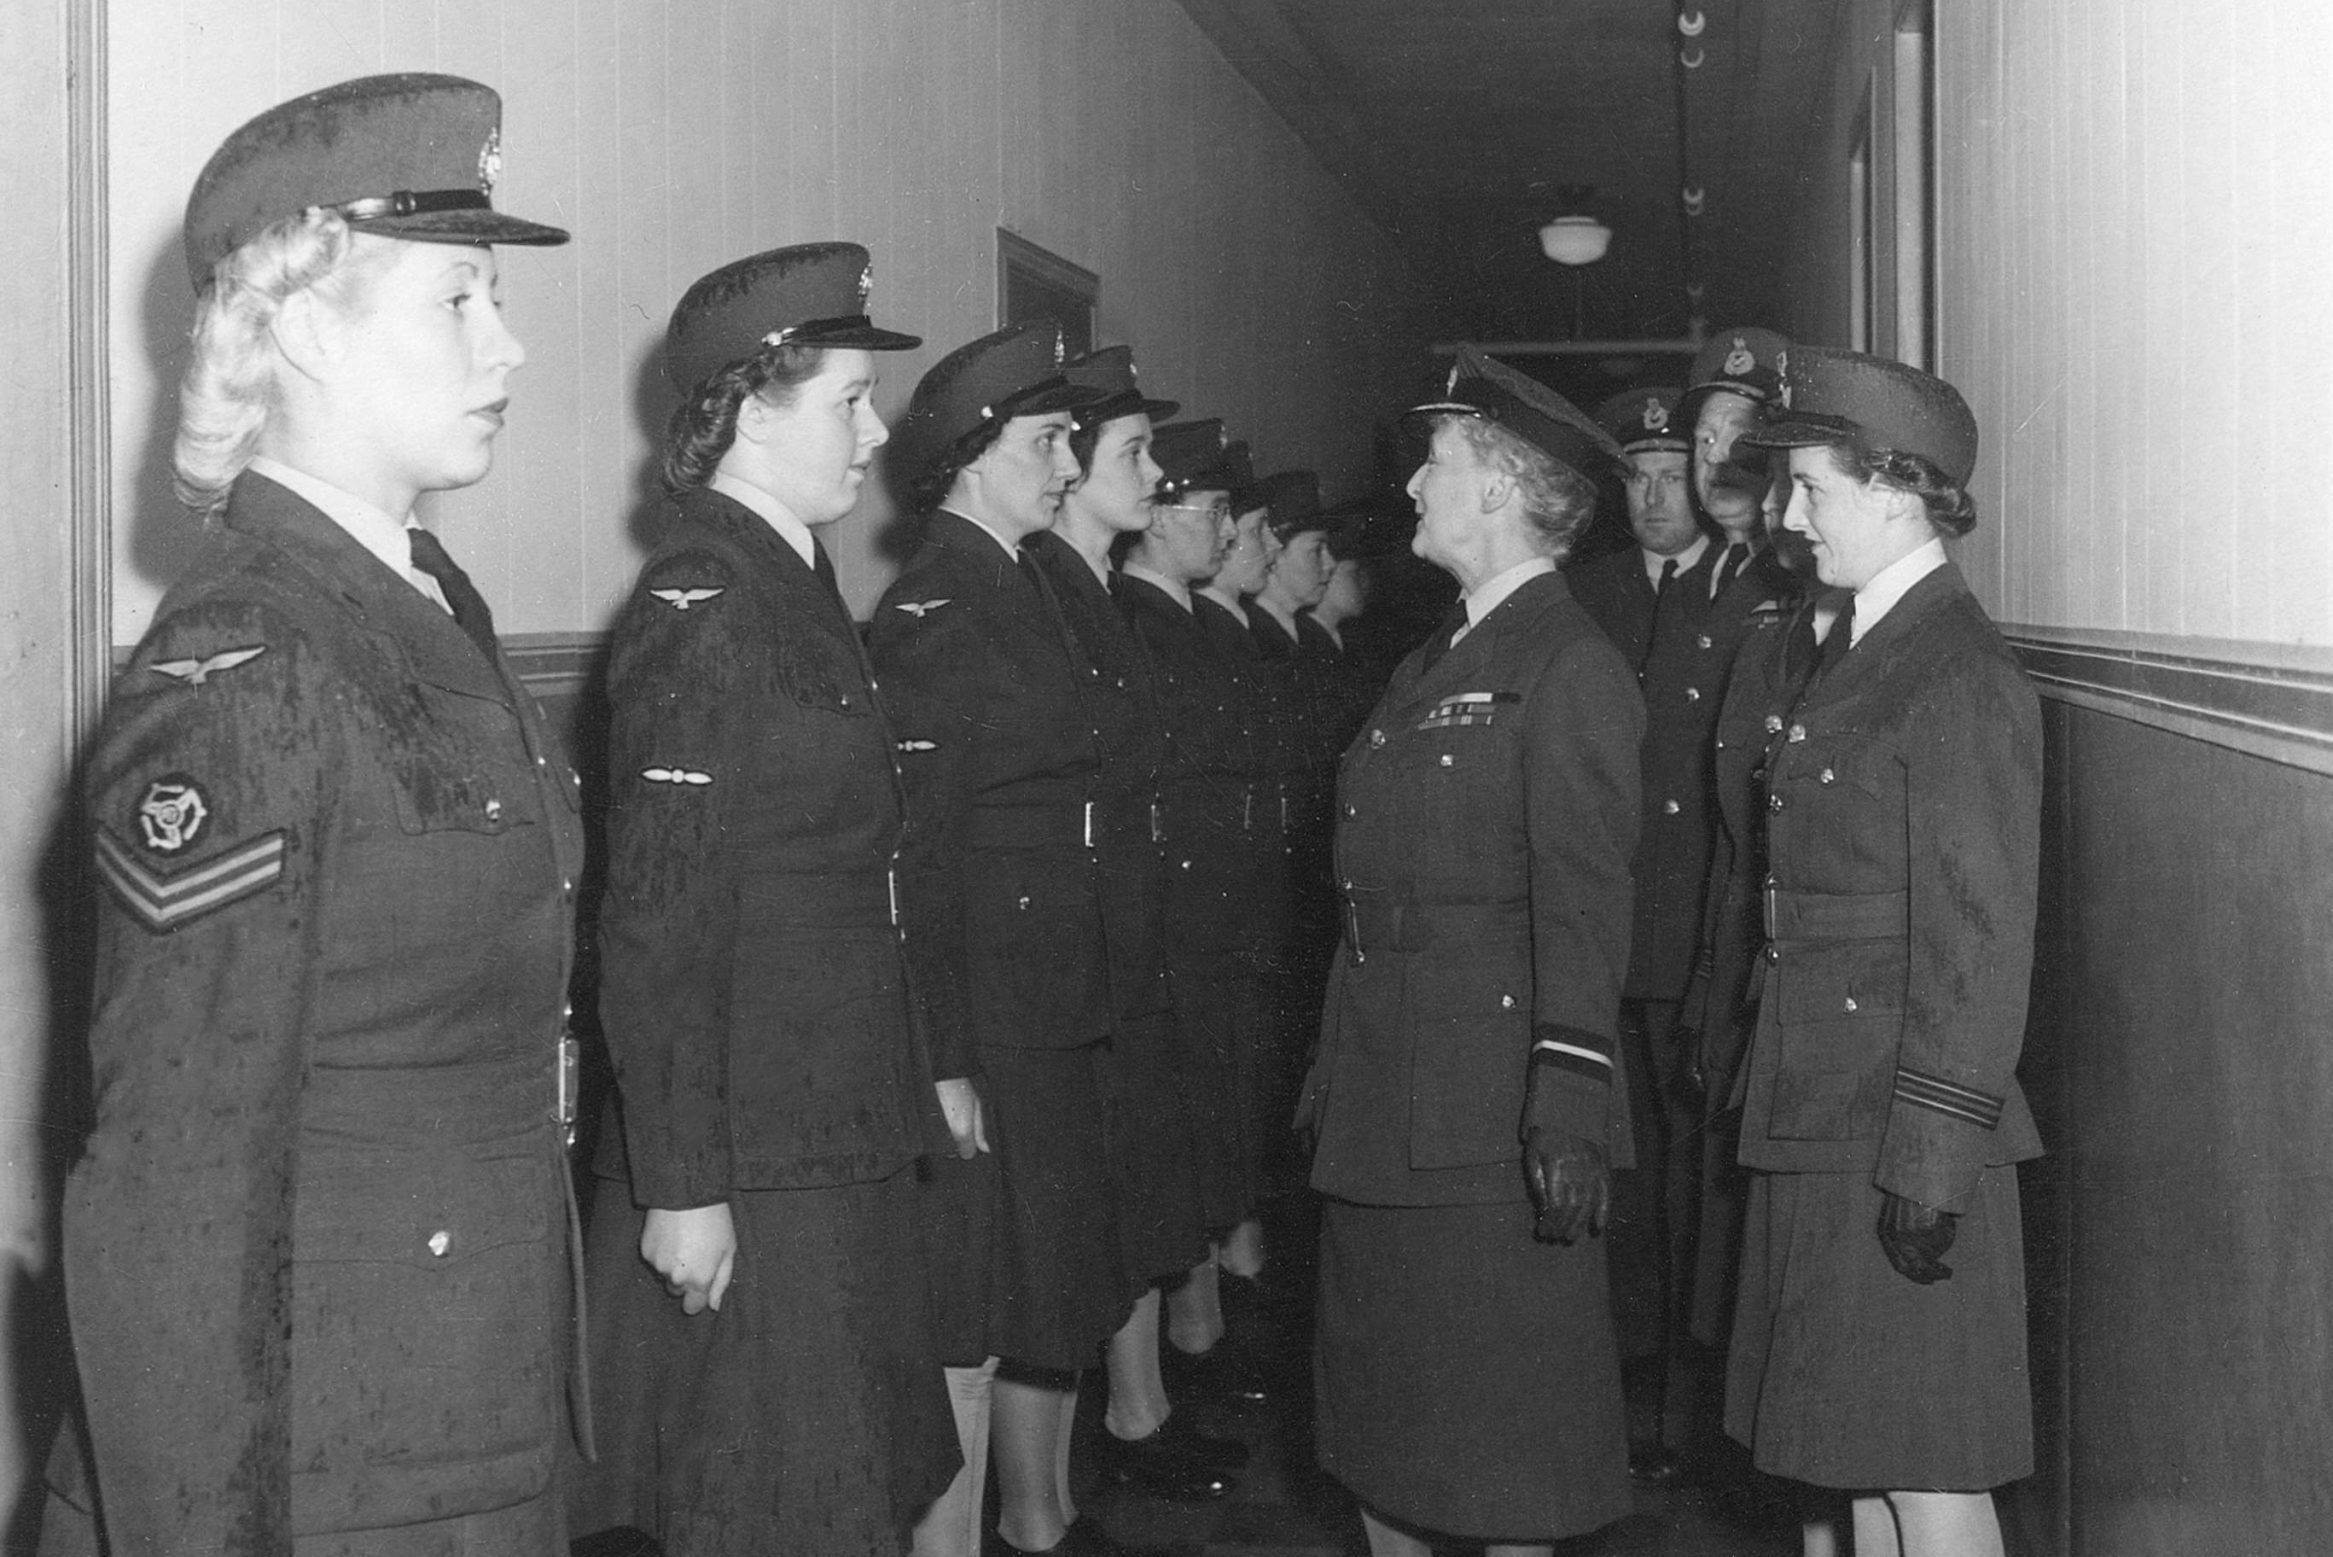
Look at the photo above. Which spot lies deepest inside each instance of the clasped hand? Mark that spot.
(1915, 1237)
(1571, 1187)
(694, 1251)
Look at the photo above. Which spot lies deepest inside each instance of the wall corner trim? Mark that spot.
(2273, 701)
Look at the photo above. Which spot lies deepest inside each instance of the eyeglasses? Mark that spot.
(1218, 512)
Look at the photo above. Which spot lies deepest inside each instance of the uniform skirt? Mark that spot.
(1467, 1381)
(1154, 1148)
(1223, 1023)
(807, 1414)
(1844, 1374)
(1027, 1260)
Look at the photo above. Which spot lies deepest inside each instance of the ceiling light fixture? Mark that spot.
(1575, 238)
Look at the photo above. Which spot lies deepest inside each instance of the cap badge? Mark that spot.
(1739, 361)
(866, 285)
(1782, 366)
(1451, 388)
(1060, 350)
(490, 161)
(1656, 416)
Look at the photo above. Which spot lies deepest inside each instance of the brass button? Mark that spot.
(1773, 953)
(1773, 802)
(1448, 761)
(1850, 1003)
(1024, 902)
(1797, 732)
(439, 1242)
(1352, 811)
(1506, 1002)
(1702, 641)
(1692, 694)
(1376, 738)
(494, 810)
(1826, 776)
(1670, 808)
(1773, 724)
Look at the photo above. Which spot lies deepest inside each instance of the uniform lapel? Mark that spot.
(425, 636)
(1869, 660)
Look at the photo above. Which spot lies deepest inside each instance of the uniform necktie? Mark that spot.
(1660, 600)
(471, 614)
(1668, 577)
(1451, 626)
(1729, 565)
(823, 565)
(1838, 641)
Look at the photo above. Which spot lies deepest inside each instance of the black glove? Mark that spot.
(1571, 1188)
(1915, 1237)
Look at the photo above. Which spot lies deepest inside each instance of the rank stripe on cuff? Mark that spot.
(1946, 1097)
(164, 903)
(1572, 1057)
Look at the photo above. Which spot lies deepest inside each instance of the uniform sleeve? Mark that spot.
(930, 659)
(668, 922)
(211, 789)
(1580, 775)
(1974, 820)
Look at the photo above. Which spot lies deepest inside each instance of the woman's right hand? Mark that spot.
(694, 1251)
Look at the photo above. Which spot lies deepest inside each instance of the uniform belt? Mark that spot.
(1832, 916)
(1063, 824)
(1378, 922)
(843, 899)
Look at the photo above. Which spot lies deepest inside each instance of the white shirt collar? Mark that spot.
(1890, 584)
(790, 529)
(1684, 560)
(1011, 549)
(1494, 591)
(1229, 601)
(1286, 619)
(380, 533)
(1174, 589)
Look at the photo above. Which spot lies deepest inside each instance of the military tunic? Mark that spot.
(1468, 1376)
(1903, 843)
(756, 1009)
(1162, 1230)
(1008, 956)
(1207, 782)
(317, 1251)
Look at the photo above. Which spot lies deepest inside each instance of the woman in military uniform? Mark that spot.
(763, 1360)
(1001, 902)
(317, 1250)
(1465, 1102)
(1879, 1344)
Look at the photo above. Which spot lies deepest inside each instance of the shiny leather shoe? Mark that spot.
(1155, 1466)
(1656, 1465)
(1223, 1454)
(1225, 1375)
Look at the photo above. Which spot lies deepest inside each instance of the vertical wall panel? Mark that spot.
(2135, 206)
(673, 135)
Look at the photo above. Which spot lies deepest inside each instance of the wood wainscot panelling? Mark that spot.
(2180, 1252)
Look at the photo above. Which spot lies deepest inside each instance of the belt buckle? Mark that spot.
(1089, 824)
(570, 1079)
(1157, 825)
(1767, 907)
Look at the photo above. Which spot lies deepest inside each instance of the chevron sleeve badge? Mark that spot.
(163, 900)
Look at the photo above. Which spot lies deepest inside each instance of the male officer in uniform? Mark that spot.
(1652, 600)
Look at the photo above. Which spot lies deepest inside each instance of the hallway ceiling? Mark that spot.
(1457, 122)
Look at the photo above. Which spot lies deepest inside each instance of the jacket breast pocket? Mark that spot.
(1841, 1009)
(460, 765)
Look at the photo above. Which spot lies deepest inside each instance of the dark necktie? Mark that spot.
(1838, 641)
(1668, 577)
(823, 565)
(1729, 565)
(1451, 626)
(470, 611)
(1660, 601)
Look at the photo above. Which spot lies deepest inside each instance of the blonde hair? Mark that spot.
(229, 387)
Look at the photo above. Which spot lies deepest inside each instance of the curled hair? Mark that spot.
(938, 477)
(1556, 499)
(229, 386)
(704, 424)
(1949, 506)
